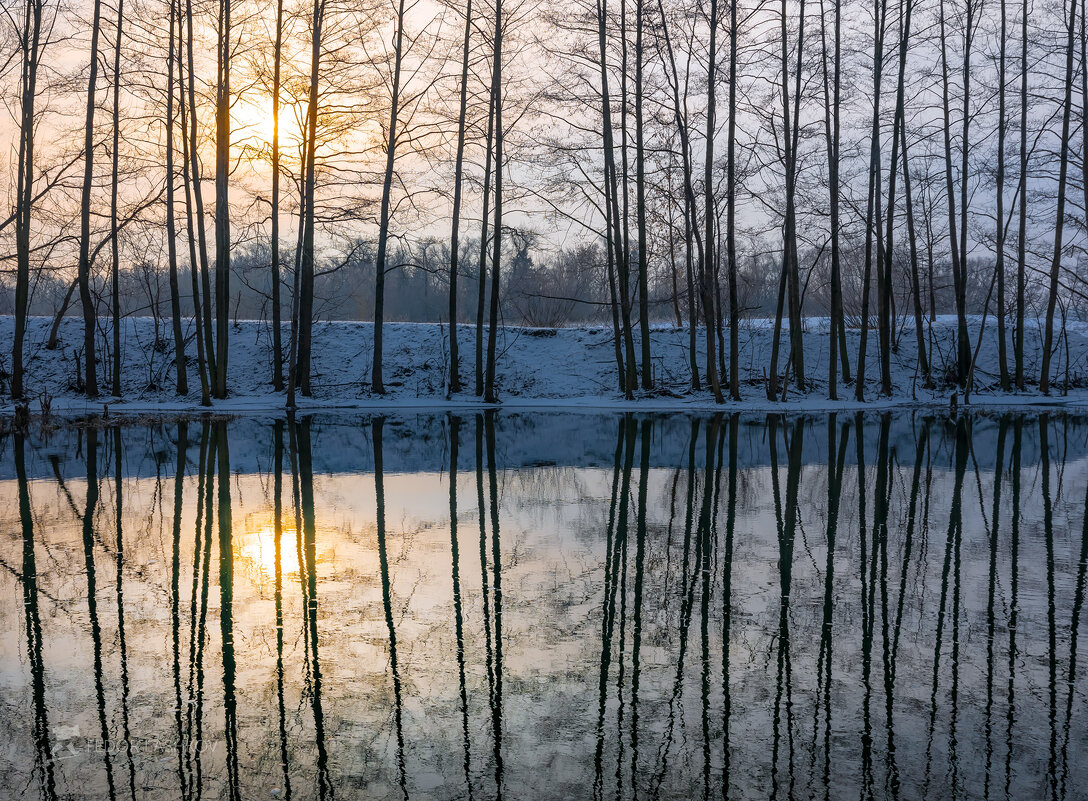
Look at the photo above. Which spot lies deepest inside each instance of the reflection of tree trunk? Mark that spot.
(277, 523)
(1074, 632)
(787, 526)
(608, 613)
(1014, 594)
(496, 565)
(119, 560)
(727, 599)
(175, 601)
(226, 609)
(92, 601)
(202, 556)
(387, 601)
(458, 612)
(308, 568)
(991, 595)
(43, 750)
(640, 571)
(951, 549)
(1051, 610)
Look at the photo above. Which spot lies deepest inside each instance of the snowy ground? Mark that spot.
(564, 368)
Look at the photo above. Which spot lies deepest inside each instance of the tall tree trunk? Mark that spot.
(640, 205)
(277, 321)
(306, 260)
(617, 262)
(707, 288)
(115, 253)
(30, 45)
(1022, 230)
(188, 183)
(197, 216)
(899, 124)
(789, 285)
(377, 386)
(963, 337)
(624, 262)
(84, 275)
(222, 207)
(180, 366)
(485, 220)
(1059, 220)
(872, 211)
(455, 367)
(496, 250)
(731, 210)
(836, 322)
(1002, 348)
(681, 120)
(916, 284)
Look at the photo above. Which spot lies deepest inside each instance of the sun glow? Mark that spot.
(258, 548)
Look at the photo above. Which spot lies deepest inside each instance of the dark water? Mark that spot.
(546, 606)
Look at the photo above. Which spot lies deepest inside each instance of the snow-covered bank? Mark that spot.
(567, 368)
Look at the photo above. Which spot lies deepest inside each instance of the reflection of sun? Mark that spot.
(258, 547)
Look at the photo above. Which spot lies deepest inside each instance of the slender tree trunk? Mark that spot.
(485, 220)
(187, 182)
(277, 321)
(180, 362)
(195, 181)
(950, 192)
(30, 45)
(731, 210)
(1002, 348)
(1059, 220)
(963, 337)
(496, 250)
(789, 290)
(115, 253)
(306, 261)
(709, 309)
(455, 367)
(899, 124)
(680, 118)
(916, 284)
(377, 386)
(836, 323)
(1022, 230)
(624, 263)
(872, 212)
(640, 206)
(90, 368)
(222, 201)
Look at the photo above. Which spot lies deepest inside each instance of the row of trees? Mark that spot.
(863, 163)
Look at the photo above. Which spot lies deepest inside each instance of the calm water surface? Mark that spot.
(535, 606)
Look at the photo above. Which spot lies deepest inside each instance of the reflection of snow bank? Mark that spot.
(418, 441)
(573, 367)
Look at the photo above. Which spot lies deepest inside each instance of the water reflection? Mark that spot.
(881, 606)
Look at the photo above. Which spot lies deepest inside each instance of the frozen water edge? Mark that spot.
(566, 369)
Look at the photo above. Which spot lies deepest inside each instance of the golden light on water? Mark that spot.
(258, 550)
